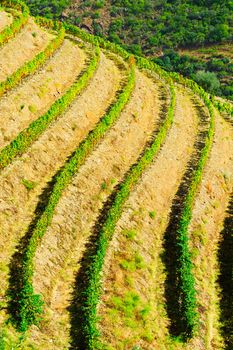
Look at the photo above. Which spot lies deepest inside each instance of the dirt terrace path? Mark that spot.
(5, 19)
(34, 97)
(208, 217)
(27, 43)
(133, 296)
(45, 157)
(80, 205)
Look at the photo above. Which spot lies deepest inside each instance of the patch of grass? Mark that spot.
(49, 69)
(152, 214)
(43, 91)
(194, 253)
(136, 263)
(134, 312)
(148, 336)
(104, 186)
(11, 341)
(113, 181)
(127, 304)
(129, 234)
(2, 340)
(145, 311)
(74, 126)
(30, 185)
(108, 185)
(199, 236)
(32, 108)
(208, 50)
(129, 281)
(135, 116)
(113, 313)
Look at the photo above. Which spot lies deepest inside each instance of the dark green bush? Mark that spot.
(49, 8)
(208, 81)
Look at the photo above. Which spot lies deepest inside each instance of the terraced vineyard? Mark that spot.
(116, 182)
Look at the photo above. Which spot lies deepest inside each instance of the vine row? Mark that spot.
(223, 107)
(25, 138)
(184, 265)
(90, 289)
(29, 304)
(19, 21)
(176, 297)
(225, 278)
(31, 66)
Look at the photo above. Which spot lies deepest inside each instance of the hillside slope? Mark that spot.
(5, 19)
(115, 183)
(161, 29)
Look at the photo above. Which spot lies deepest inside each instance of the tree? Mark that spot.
(220, 33)
(208, 81)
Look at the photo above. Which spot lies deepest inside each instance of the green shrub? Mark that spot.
(152, 214)
(130, 234)
(49, 8)
(136, 263)
(208, 80)
(30, 185)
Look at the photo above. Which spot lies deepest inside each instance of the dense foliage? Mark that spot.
(149, 24)
(147, 27)
(49, 8)
(214, 75)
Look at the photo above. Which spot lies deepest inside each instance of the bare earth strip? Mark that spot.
(208, 217)
(28, 42)
(5, 19)
(44, 159)
(79, 208)
(132, 309)
(34, 97)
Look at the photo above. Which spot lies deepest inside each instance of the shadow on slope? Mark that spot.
(77, 332)
(225, 280)
(173, 291)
